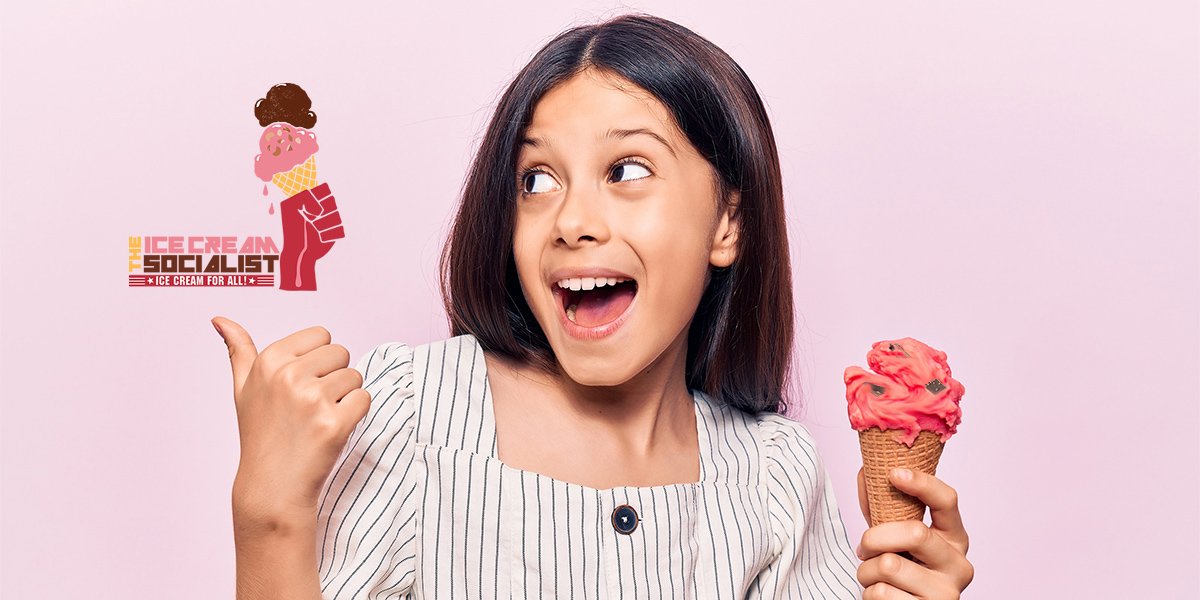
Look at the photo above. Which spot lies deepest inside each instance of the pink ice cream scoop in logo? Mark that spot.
(281, 147)
(911, 390)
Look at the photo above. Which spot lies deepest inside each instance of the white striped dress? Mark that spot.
(419, 506)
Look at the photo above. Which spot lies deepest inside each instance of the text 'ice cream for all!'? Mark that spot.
(904, 413)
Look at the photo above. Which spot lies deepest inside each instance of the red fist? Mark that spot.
(311, 224)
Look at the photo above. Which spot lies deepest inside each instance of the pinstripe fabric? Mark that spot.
(419, 506)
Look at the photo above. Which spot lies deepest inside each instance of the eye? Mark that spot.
(623, 167)
(531, 175)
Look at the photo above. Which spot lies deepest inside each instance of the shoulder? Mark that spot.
(403, 363)
(386, 365)
(443, 386)
(795, 473)
(793, 465)
(783, 433)
(778, 448)
(787, 441)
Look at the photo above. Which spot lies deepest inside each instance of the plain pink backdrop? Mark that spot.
(1015, 183)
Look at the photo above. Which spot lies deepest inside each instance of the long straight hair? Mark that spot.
(739, 341)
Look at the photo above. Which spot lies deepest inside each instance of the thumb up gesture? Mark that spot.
(297, 402)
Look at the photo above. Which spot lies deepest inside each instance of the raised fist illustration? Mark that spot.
(311, 224)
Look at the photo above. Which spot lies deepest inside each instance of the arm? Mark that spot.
(297, 402)
(276, 558)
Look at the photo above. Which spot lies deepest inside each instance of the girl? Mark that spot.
(605, 422)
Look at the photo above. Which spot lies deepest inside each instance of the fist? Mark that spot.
(311, 224)
(297, 402)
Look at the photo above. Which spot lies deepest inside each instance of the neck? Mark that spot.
(640, 414)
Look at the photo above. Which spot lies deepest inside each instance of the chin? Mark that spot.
(595, 370)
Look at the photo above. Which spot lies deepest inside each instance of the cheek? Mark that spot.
(674, 244)
(674, 232)
(527, 254)
(524, 250)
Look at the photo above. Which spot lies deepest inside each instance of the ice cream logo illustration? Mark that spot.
(287, 158)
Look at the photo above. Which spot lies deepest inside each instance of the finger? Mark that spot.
(941, 499)
(327, 203)
(299, 343)
(241, 350)
(323, 360)
(357, 403)
(337, 384)
(333, 234)
(863, 501)
(310, 205)
(914, 537)
(904, 576)
(883, 591)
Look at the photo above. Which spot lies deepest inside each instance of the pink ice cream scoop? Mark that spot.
(282, 147)
(911, 390)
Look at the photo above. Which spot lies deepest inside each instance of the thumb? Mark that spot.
(241, 350)
(862, 496)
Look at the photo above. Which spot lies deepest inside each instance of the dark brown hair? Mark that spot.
(739, 342)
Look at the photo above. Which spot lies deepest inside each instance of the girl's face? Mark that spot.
(596, 201)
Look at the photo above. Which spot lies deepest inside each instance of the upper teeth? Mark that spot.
(587, 283)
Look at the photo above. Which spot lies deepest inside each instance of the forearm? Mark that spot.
(276, 558)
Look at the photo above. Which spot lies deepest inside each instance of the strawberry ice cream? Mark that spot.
(911, 390)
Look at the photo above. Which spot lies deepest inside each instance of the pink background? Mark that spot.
(1033, 164)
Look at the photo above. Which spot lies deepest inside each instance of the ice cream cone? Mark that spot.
(301, 177)
(881, 453)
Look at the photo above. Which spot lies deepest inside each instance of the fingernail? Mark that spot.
(902, 474)
(858, 551)
(218, 328)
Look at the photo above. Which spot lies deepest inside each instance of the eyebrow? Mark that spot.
(538, 142)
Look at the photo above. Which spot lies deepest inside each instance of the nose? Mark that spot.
(581, 218)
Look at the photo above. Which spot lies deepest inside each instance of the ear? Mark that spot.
(724, 249)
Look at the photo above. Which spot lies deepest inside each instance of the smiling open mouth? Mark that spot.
(598, 306)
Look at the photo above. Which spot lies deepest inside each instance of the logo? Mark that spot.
(309, 215)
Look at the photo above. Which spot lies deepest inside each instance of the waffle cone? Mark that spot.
(301, 177)
(881, 453)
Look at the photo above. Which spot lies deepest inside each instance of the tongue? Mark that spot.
(603, 305)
